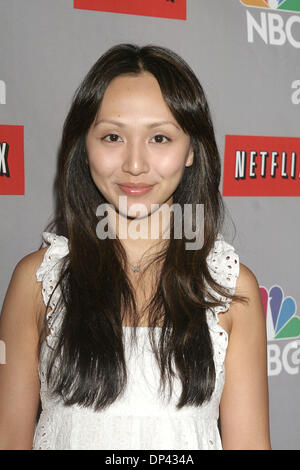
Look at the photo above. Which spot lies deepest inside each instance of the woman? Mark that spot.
(132, 350)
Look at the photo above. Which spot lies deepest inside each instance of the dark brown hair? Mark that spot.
(94, 285)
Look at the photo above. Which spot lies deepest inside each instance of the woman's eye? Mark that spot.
(159, 139)
(111, 138)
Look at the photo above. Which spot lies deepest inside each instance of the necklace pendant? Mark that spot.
(136, 269)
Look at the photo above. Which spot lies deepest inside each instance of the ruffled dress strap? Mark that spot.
(224, 266)
(49, 271)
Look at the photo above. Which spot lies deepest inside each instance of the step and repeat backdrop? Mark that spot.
(246, 54)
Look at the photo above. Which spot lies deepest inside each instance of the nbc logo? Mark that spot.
(281, 324)
(272, 27)
(280, 314)
(287, 5)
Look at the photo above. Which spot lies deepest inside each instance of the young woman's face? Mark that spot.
(135, 139)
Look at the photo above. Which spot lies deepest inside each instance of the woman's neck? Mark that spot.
(143, 236)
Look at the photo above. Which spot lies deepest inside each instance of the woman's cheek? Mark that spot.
(170, 164)
(103, 164)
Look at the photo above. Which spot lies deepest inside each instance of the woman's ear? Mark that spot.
(190, 157)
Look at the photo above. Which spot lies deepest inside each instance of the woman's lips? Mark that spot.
(135, 190)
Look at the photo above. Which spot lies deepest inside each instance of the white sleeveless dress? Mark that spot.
(140, 419)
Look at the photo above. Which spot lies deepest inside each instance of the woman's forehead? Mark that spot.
(137, 96)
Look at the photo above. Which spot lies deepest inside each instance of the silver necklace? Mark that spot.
(135, 268)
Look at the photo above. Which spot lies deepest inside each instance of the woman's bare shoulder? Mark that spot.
(246, 286)
(246, 280)
(31, 262)
(23, 284)
(251, 311)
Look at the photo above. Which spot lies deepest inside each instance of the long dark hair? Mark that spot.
(96, 290)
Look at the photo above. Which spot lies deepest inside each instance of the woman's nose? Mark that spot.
(135, 159)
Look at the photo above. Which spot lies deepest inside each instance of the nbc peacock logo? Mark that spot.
(287, 5)
(280, 311)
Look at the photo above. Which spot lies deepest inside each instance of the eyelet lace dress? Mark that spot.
(140, 419)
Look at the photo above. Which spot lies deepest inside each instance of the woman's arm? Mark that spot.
(19, 380)
(244, 409)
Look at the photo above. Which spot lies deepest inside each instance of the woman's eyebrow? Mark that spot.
(149, 126)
